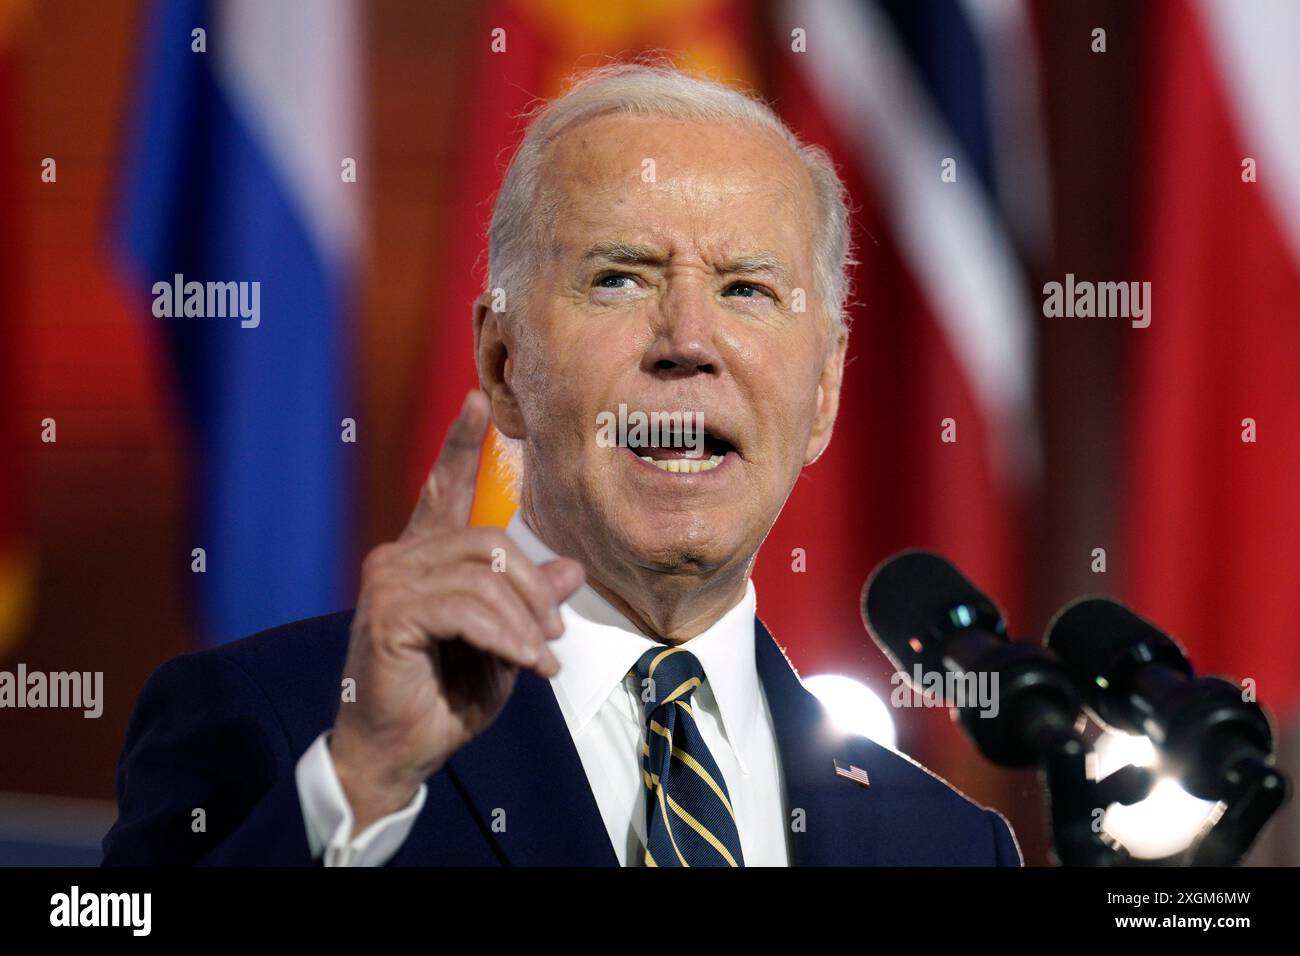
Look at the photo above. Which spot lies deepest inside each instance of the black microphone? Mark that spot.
(934, 625)
(1137, 679)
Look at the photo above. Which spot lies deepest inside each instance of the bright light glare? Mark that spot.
(1167, 820)
(854, 708)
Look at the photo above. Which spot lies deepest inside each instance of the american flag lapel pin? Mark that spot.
(856, 774)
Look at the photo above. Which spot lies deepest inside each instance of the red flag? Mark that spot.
(1213, 516)
(888, 481)
(920, 455)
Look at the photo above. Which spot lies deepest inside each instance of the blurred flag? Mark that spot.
(15, 564)
(927, 109)
(544, 42)
(1213, 519)
(246, 114)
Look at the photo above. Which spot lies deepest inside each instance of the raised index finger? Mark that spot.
(448, 492)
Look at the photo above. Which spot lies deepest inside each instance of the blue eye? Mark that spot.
(612, 277)
(754, 290)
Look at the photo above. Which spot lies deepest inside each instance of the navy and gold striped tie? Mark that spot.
(689, 820)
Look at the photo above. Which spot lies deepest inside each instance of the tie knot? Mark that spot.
(666, 674)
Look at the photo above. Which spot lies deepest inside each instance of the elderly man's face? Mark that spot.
(671, 290)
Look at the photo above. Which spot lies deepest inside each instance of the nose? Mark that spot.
(684, 343)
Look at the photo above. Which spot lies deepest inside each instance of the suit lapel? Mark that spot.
(838, 816)
(526, 782)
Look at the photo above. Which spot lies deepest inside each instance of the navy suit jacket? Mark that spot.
(221, 730)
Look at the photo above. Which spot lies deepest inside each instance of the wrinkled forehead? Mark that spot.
(705, 186)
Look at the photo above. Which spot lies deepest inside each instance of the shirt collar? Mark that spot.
(600, 645)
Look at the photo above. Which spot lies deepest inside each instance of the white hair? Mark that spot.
(524, 212)
(645, 89)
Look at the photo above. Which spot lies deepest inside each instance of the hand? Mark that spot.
(438, 637)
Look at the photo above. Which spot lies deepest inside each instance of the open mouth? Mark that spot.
(671, 454)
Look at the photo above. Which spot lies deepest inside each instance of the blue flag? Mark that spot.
(237, 217)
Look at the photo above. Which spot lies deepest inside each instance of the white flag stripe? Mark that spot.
(948, 232)
(1254, 49)
(293, 72)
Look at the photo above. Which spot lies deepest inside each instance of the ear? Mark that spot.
(493, 354)
(828, 400)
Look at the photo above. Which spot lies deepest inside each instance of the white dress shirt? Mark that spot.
(603, 712)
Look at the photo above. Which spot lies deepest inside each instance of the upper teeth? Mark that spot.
(685, 466)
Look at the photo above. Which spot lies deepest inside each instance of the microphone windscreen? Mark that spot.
(910, 594)
(1096, 638)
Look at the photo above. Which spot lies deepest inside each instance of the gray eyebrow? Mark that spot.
(758, 262)
(615, 250)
